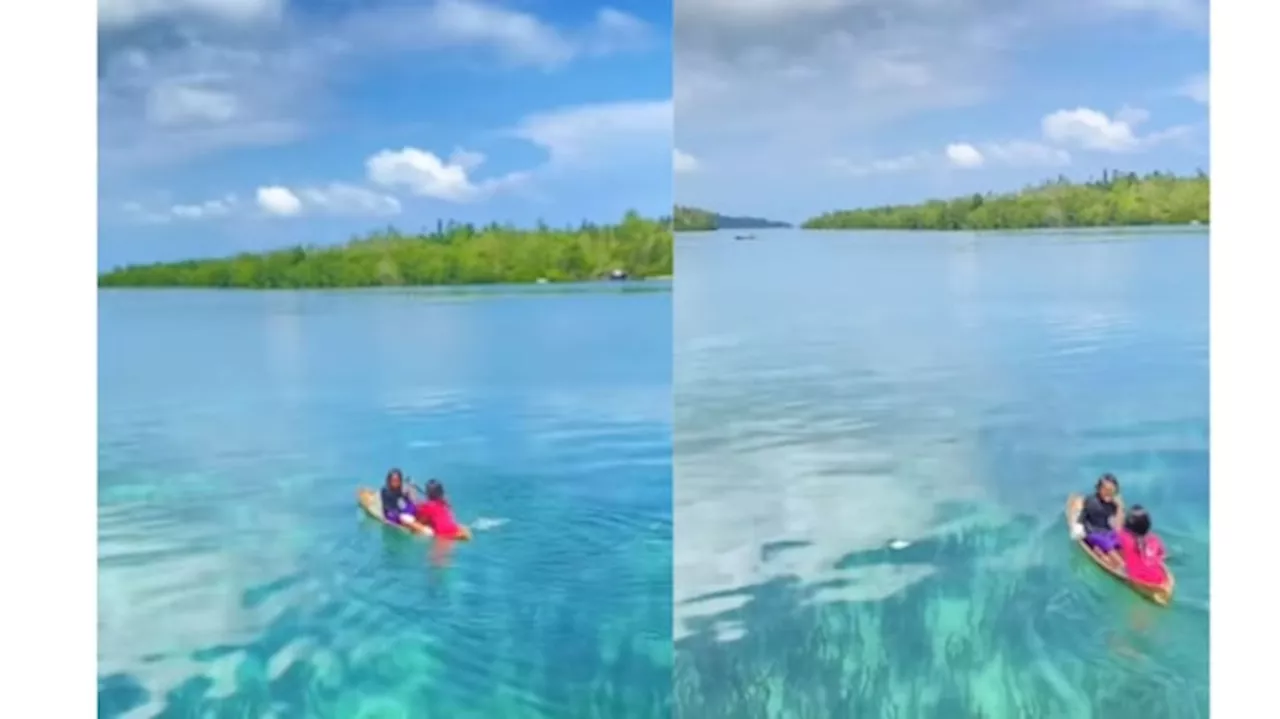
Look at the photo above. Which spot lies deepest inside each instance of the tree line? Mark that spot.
(1115, 199)
(454, 254)
(692, 219)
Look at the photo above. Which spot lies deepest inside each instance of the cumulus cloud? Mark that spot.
(964, 155)
(1089, 129)
(425, 174)
(279, 201)
(575, 139)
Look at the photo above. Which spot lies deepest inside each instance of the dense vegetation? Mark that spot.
(453, 255)
(692, 219)
(1115, 200)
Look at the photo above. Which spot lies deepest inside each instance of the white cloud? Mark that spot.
(1082, 128)
(343, 199)
(279, 201)
(209, 209)
(683, 162)
(426, 174)
(1196, 88)
(125, 13)
(964, 155)
(176, 104)
(333, 199)
(205, 210)
(586, 135)
(576, 139)
(1024, 153)
(1090, 129)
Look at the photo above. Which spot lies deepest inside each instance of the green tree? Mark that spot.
(1118, 199)
(452, 254)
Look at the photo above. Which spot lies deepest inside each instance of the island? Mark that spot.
(692, 219)
(455, 254)
(1116, 199)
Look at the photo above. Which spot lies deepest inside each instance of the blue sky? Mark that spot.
(238, 125)
(788, 108)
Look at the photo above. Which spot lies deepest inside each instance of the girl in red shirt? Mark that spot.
(1141, 549)
(437, 514)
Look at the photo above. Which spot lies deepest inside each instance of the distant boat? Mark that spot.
(744, 237)
(618, 274)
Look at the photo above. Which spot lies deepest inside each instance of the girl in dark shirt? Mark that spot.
(398, 506)
(1101, 517)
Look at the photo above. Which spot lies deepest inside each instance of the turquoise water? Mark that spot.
(841, 394)
(237, 578)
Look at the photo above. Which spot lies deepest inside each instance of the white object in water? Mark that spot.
(1077, 531)
(899, 544)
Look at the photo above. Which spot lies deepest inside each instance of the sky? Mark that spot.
(790, 108)
(228, 126)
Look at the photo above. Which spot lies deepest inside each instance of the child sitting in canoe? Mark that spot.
(438, 515)
(1100, 518)
(398, 506)
(1141, 550)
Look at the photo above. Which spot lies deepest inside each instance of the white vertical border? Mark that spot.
(1245, 331)
(48, 373)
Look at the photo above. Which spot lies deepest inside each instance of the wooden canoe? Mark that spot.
(371, 503)
(1161, 594)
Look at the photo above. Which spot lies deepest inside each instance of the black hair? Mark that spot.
(435, 490)
(394, 472)
(1107, 478)
(1137, 521)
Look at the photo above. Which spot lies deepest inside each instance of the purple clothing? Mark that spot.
(393, 515)
(1107, 541)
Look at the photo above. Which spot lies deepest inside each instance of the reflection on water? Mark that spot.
(875, 434)
(237, 577)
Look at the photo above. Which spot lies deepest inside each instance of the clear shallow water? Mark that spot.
(836, 392)
(237, 578)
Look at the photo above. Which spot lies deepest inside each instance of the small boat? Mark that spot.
(1161, 594)
(744, 237)
(371, 503)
